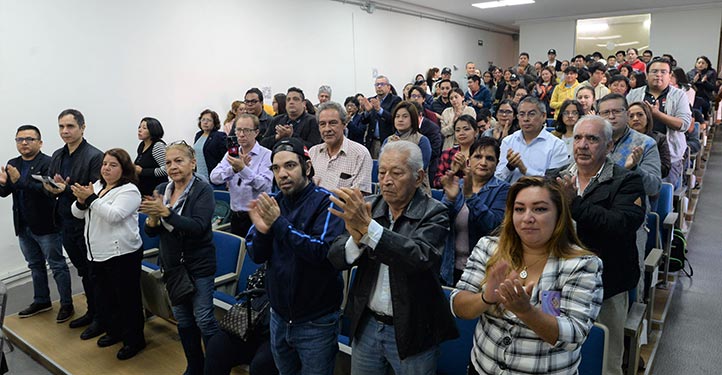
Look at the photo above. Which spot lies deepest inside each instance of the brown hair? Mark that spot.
(214, 116)
(129, 174)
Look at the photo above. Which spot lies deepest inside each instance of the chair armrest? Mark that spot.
(669, 220)
(223, 227)
(635, 316)
(225, 279)
(150, 252)
(221, 304)
(652, 261)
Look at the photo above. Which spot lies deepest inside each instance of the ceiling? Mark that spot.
(510, 17)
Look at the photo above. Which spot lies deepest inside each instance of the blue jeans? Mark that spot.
(305, 348)
(40, 248)
(199, 311)
(374, 350)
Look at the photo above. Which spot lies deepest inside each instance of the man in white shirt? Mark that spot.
(339, 161)
(531, 150)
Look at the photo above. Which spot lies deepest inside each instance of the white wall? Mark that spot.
(538, 38)
(685, 34)
(120, 61)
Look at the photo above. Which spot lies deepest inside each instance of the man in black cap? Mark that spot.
(292, 231)
(552, 55)
(446, 73)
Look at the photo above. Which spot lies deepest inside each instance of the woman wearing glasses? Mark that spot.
(180, 213)
(209, 144)
(506, 121)
(569, 113)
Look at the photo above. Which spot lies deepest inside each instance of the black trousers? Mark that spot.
(240, 223)
(119, 306)
(225, 351)
(74, 244)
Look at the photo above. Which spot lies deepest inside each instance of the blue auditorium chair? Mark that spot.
(595, 351)
(375, 172)
(456, 354)
(150, 244)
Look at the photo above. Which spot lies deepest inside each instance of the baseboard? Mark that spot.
(16, 277)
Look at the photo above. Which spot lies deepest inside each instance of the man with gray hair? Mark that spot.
(607, 202)
(398, 312)
(338, 161)
(532, 150)
(377, 114)
(324, 95)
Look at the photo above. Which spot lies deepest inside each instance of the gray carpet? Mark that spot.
(693, 334)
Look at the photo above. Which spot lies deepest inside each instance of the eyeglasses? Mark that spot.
(25, 139)
(415, 96)
(570, 114)
(380, 84)
(658, 71)
(616, 112)
(505, 111)
(527, 114)
(206, 120)
(182, 143)
(246, 131)
(252, 101)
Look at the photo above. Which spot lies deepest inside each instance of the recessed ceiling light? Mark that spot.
(501, 3)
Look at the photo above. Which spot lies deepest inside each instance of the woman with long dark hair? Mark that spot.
(110, 210)
(150, 162)
(567, 116)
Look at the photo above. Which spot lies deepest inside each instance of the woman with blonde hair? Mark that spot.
(535, 289)
(237, 107)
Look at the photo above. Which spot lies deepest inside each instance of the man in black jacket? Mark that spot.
(296, 123)
(607, 203)
(376, 114)
(396, 306)
(76, 162)
(40, 239)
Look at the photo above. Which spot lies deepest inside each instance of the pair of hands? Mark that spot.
(356, 212)
(507, 289)
(514, 159)
(634, 157)
(284, 131)
(9, 173)
(240, 162)
(263, 212)
(369, 104)
(153, 207)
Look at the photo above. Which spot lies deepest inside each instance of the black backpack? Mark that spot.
(678, 254)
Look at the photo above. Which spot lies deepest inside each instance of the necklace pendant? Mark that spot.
(523, 274)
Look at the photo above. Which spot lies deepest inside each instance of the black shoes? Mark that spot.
(129, 351)
(93, 330)
(107, 340)
(66, 312)
(34, 309)
(82, 321)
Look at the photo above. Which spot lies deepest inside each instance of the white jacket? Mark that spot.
(111, 222)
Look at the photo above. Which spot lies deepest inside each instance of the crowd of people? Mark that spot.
(539, 165)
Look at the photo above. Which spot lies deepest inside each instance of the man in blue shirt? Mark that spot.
(478, 96)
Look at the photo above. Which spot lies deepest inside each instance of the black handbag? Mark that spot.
(179, 285)
(251, 316)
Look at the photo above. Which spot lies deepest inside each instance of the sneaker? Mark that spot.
(66, 312)
(34, 309)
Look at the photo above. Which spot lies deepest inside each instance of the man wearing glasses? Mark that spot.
(248, 173)
(40, 239)
(377, 114)
(254, 106)
(670, 111)
(530, 151)
(296, 123)
(78, 162)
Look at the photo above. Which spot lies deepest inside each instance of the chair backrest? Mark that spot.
(228, 252)
(248, 267)
(148, 241)
(595, 351)
(375, 171)
(455, 354)
(222, 195)
(665, 203)
(437, 194)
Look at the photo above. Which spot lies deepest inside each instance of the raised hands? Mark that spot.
(356, 212)
(264, 212)
(82, 192)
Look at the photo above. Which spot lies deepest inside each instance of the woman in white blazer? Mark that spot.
(110, 209)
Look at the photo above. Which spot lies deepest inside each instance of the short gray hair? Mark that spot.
(534, 100)
(331, 105)
(607, 130)
(382, 77)
(414, 160)
(325, 88)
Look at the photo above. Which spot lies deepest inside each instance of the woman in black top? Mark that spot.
(150, 163)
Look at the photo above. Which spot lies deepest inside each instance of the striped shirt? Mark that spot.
(350, 167)
(505, 345)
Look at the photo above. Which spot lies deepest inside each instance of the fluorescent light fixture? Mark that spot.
(501, 3)
(621, 44)
(595, 27)
(599, 37)
(647, 23)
